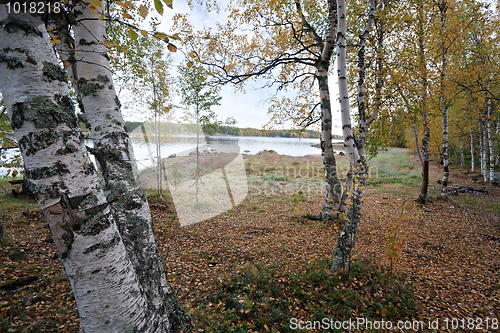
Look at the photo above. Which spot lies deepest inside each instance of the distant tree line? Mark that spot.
(176, 128)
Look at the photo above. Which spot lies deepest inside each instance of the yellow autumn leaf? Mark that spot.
(172, 48)
(144, 33)
(143, 11)
(127, 15)
(97, 3)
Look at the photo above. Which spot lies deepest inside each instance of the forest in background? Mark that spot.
(175, 128)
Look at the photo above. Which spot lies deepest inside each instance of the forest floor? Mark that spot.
(262, 263)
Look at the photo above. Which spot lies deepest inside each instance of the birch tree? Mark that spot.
(290, 47)
(148, 78)
(196, 92)
(343, 248)
(103, 232)
(443, 7)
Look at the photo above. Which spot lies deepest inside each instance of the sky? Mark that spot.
(249, 108)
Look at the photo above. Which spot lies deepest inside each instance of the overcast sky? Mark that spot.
(250, 108)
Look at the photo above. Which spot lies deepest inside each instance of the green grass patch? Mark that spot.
(266, 297)
(10, 202)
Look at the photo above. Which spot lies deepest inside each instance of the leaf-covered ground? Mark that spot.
(258, 265)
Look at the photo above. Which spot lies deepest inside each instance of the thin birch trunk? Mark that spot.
(197, 147)
(484, 151)
(106, 289)
(159, 170)
(462, 157)
(490, 142)
(417, 143)
(113, 152)
(472, 169)
(345, 109)
(443, 6)
(333, 187)
(423, 197)
(480, 133)
(343, 248)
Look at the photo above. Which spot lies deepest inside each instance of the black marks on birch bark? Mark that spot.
(43, 112)
(92, 86)
(52, 72)
(13, 24)
(104, 245)
(15, 62)
(57, 168)
(12, 62)
(33, 142)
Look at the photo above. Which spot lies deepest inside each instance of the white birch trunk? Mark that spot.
(444, 103)
(333, 187)
(423, 197)
(462, 157)
(345, 109)
(490, 142)
(159, 174)
(106, 289)
(416, 139)
(113, 152)
(472, 169)
(343, 248)
(483, 151)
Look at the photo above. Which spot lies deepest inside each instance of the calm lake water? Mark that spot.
(182, 145)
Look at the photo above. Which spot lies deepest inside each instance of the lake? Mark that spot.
(182, 145)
